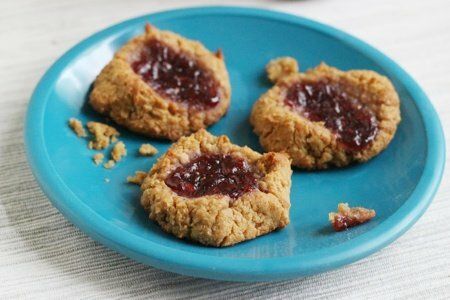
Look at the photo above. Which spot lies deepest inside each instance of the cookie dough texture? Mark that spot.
(121, 94)
(310, 144)
(217, 220)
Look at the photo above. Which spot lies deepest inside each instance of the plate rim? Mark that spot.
(225, 268)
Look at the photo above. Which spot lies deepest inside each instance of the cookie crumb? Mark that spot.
(110, 164)
(103, 134)
(147, 150)
(118, 151)
(77, 127)
(138, 177)
(281, 67)
(347, 217)
(98, 158)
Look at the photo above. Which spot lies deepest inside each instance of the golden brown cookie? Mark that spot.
(206, 189)
(163, 85)
(327, 117)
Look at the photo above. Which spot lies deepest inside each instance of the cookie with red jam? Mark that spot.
(206, 189)
(326, 117)
(163, 85)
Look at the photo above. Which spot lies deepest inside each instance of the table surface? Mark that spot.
(42, 255)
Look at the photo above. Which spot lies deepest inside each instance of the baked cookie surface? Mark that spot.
(327, 117)
(163, 85)
(206, 189)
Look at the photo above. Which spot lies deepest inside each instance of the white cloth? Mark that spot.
(44, 256)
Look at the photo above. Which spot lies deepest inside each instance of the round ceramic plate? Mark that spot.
(399, 183)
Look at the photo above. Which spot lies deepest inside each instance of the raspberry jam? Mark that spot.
(177, 76)
(355, 125)
(211, 174)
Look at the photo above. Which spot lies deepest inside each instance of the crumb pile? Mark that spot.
(103, 136)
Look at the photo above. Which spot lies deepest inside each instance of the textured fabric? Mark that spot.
(43, 256)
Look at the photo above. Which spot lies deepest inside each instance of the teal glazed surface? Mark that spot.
(399, 183)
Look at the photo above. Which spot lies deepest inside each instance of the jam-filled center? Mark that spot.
(354, 124)
(211, 174)
(176, 75)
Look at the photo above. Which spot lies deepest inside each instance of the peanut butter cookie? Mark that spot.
(206, 189)
(326, 117)
(163, 85)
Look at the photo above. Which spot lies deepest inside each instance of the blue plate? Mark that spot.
(399, 183)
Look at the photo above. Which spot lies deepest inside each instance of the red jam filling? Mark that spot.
(354, 124)
(177, 76)
(211, 174)
(341, 222)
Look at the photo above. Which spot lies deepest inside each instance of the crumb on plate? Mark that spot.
(103, 134)
(98, 158)
(77, 127)
(110, 164)
(137, 178)
(118, 151)
(147, 150)
(347, 217)
(281, 67)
